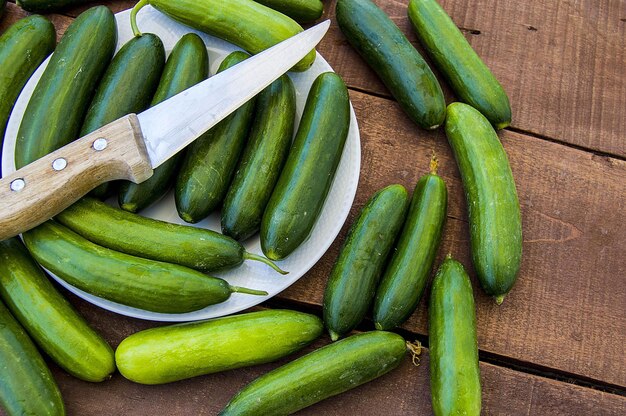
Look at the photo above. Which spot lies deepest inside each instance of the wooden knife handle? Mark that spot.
(42, 189)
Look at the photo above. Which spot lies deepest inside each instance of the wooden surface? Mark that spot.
(556, 346)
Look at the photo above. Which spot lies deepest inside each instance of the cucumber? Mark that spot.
(27, 386)
(48, 6)
(197, 348)
(403, 283)
(211, 160)
(492, 204)
(303, 11)
(187, 65)
(305, 180)
(467, 74)
(50, 319)
(454, 372)
(57, 107)
(122, 278)
(353, 280)
(326, 372)
(3, 4)
(398, 64)
(22, 49)
(262, 160)
(245, 23)
(197, 248)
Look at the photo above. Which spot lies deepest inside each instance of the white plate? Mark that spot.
(250, 274)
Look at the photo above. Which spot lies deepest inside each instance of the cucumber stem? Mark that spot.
(245, 290)
(256, 257)
(333, 335)
(499, 299)
(415, 349)
(378, 326)
(434, 163)
(133, 16)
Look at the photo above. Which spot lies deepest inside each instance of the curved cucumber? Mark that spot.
(454, 373)
(262, 160)
(50, 319)
(307, 176)
(493, 208)
(211, 160)
(47, 6)
(467, 74)
(326, 372)
(398, 64)
(192, 349)
(352, 282)
(302, 11)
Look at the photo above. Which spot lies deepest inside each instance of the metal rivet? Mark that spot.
(59, 164)
(100, 144)
(18, 184)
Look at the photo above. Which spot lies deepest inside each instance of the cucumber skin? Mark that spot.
(398, 64)
(211, 160)
(22, 49)
(50, 319)
(187, 65)
(27, 387)
(262, 161)
(404, 281)
(492, 203)
(197, 348)
(455, 374)
(302, 11)
(56, 110)
(355, 275)
(3, 4)
(47, 6)
(455, 58)
(323, 373)
(305, 180)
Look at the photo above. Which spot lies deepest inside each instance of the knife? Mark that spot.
(131, 147)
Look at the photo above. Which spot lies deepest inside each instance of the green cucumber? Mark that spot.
(405, 279)
(197, 348)
(122, 278)
(50, 319)
(398, 64)
(454, 372)
(27, 386)
(326, 372)
(3, 4)
(57, 107)
(263, 159)
(303, 11)
(304, 182)
(211, 160)
(493, 207)
(187, 65)
(467, 74)
(48, 6)
(353, 280)
(245, 23)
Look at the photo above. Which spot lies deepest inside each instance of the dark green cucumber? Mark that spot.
(245, 23)
(211, 160)
(454, 373)
(353, 280)
(492, 204)
(398, 64)
(305, 180)
(126, 87)
(3, 4)
(326, 372)
(303, 11)
(197, 248)
(27, 386)
(467, 74)
(122, 278)
(187, 65)
(405, 278)
(47, 6)
(262, 160)
(22, 49)
(59, 102)
(50, 319)
(197, 348)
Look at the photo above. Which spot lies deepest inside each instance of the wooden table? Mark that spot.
(557, 344)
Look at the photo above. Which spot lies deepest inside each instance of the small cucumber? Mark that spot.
(492, 204)
(326, 372)
(454, 372)
(398, 64)
(211, 160)
(403, 283)
(262, 160)
(47, 6)
(353, 280)
(50, 319)
(303, 11)
(308, 174)
(467, 74)
(192, 349)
